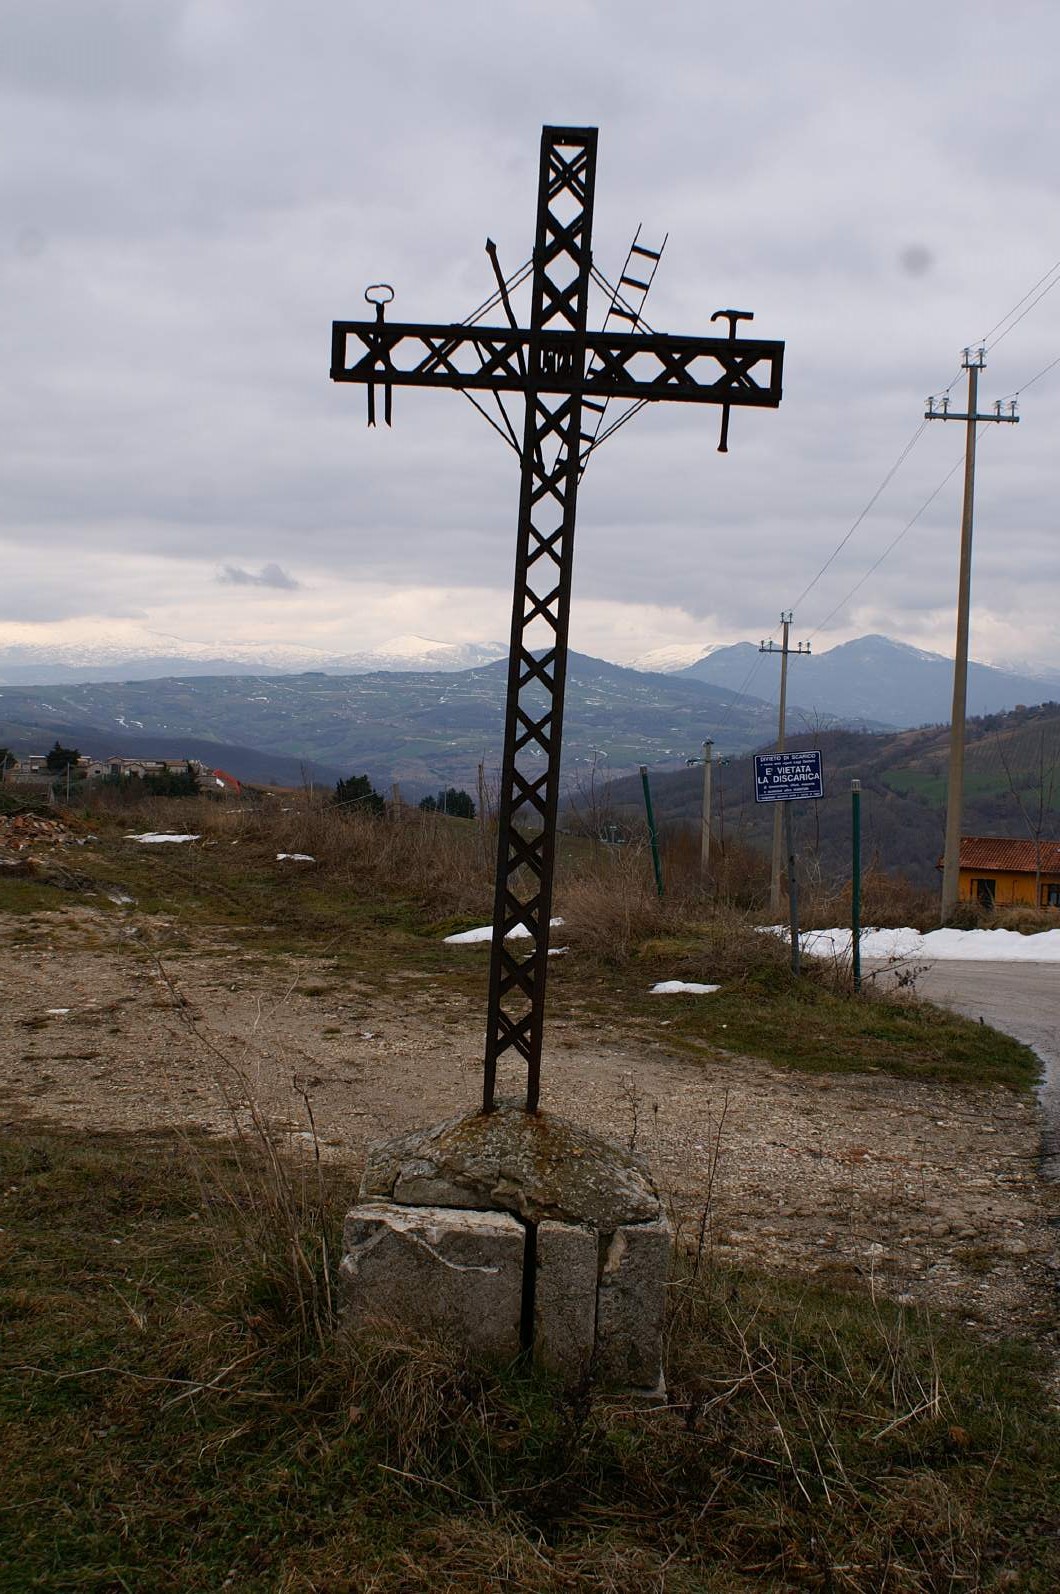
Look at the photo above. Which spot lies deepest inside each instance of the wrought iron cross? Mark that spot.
(568, 375)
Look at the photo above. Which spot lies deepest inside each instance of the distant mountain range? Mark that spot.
(431, 726)
(423, 728)
(872, 680)
(115, 659)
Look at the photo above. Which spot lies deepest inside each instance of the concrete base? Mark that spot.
(514, 1231)
(434, 1270)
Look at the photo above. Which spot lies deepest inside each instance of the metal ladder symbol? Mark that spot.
(625, 306)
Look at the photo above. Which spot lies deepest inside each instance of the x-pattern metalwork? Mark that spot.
(556, 363)
(696, 370)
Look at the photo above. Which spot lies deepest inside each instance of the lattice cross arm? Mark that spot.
(618, 365)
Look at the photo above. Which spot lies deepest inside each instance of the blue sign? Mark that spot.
(788, 777)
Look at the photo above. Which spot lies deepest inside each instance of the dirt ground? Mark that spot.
(928, 1194)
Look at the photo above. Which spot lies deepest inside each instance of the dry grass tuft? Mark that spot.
(169, 1403)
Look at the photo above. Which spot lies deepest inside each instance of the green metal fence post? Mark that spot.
(855, 883)
(793, 893)
(652, 833)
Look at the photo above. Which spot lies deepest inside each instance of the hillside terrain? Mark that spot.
(201, 1042)
(422, 728)
(1012, 786)
(245, 763)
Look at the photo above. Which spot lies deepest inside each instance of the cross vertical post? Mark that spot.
(562, 370)
(544, 552)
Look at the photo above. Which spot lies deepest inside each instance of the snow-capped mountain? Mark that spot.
(142, 656)
(674, 657)
(872, 680)
(419, 653)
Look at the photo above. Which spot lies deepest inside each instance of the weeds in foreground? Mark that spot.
(171, 1418)
(381, 892)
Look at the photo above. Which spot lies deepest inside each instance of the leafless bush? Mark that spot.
(1023, 917)
(887, 900)
(406, 851)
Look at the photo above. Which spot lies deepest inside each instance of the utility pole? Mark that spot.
(973, 361)
(704, 846)
(707, 761)
(778, 818)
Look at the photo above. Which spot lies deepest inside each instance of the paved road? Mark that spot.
(1023, 999)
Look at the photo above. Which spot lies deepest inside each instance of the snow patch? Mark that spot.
(670, 659)
(295, 857)
(485, 933)
(979, 946)
(687, 987)
(150, 837)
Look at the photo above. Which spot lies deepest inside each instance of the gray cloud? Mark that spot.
(268, 576)
(214, 183)
(91, 49)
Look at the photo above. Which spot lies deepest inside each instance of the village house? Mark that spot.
(34, 767)
(998, 872)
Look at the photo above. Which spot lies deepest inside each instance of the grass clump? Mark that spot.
(814, 1022)
(382, 892)
(177, 1413)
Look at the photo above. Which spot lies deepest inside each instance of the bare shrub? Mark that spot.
(425, 856)
(887, 901)
(610, 911)
(966, 916)
(1023, 917)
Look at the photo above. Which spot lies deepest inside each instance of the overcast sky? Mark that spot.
(193, 189)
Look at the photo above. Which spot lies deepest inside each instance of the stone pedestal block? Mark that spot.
(631, 1306)
(565, 1299)
(463, 1226)
(509, 1160)
(435, 1270)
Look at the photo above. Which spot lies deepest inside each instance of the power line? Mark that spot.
(903, 456)
(891, 546)
(1048, 289)
(742, 688)
(985, 339)
(1023, 306)
(1025, 385)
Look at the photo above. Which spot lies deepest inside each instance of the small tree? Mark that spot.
(458, 804)
(61, 758)
(358, 792)
(173, 783)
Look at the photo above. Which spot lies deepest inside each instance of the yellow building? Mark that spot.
(995, 871)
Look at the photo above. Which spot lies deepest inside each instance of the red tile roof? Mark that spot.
(999, 852)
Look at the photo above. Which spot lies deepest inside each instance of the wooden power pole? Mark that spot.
(778, 818)
(973, 361)
(704, 846)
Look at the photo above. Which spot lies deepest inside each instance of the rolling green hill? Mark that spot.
(423, 729)
(1012, 786)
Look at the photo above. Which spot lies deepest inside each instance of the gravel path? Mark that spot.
(929, 1193)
